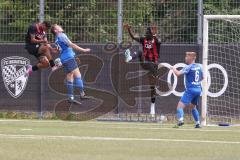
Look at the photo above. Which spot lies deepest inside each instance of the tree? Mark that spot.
(15, 18)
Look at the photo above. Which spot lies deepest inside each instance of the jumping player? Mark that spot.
(193, 77)
(149, 57)
(37, 45)
(67, 56)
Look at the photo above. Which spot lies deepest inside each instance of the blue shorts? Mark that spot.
(191, 96)
(70, 65)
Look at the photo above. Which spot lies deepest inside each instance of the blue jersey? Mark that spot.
(66, 52)
(193, 75)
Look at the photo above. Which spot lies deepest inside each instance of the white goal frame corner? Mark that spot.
(206, 19)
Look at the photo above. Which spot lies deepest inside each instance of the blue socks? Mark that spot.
(180, 114)
(79, 83)
(70, 89)
(195, 114)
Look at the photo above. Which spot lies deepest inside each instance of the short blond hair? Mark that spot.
(52, 28)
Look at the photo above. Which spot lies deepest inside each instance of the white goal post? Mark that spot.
(221, 64)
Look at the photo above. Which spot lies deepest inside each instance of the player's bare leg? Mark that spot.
(153, 78)
(152, 75)
(45, 50)
(43, 63)
(44, 60)
(152, 82)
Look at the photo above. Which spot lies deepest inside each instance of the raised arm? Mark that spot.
(77, 48)
(185, 70)
(128, 28)
(177, 72)
(155, 34)
(34, 40)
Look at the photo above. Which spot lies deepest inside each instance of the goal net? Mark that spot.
(221, 65)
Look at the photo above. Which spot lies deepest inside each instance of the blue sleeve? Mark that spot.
(186, 69)
(65, 39)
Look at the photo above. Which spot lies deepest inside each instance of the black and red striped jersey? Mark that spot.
(150, 48)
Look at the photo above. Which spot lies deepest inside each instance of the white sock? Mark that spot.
(152, 111)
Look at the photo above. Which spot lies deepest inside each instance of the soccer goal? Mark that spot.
(221, 66)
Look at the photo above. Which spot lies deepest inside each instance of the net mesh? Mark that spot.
(223, 66)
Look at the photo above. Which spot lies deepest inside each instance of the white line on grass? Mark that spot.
(26, 129)
(140, 126)
(178, 129)
(15, 136)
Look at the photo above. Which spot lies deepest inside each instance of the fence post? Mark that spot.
(120, 34)
(200, 53)
(200, 22)
(120, 20)
(41, 10)
(41, 103)
(200, 30)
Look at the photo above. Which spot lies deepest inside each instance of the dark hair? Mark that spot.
(149, 34)
(52, 29)
(148, 30)
(47, 24)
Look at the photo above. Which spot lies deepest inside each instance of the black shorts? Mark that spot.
(151, 67)
(33, 49)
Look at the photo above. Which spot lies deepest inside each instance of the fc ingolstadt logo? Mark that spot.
(14, 74)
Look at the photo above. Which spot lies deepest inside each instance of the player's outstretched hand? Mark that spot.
(87, 50)
(126, 26)
(154, 28)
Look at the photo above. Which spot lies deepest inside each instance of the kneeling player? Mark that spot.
(67, 56)
(193, 77)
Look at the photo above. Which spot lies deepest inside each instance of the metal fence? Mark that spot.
(96, 21)
(223, 7)
(15, 17)
(176, 20)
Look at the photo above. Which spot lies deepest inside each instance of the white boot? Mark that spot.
(128, 56)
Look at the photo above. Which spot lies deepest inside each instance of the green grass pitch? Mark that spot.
(61, 140)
